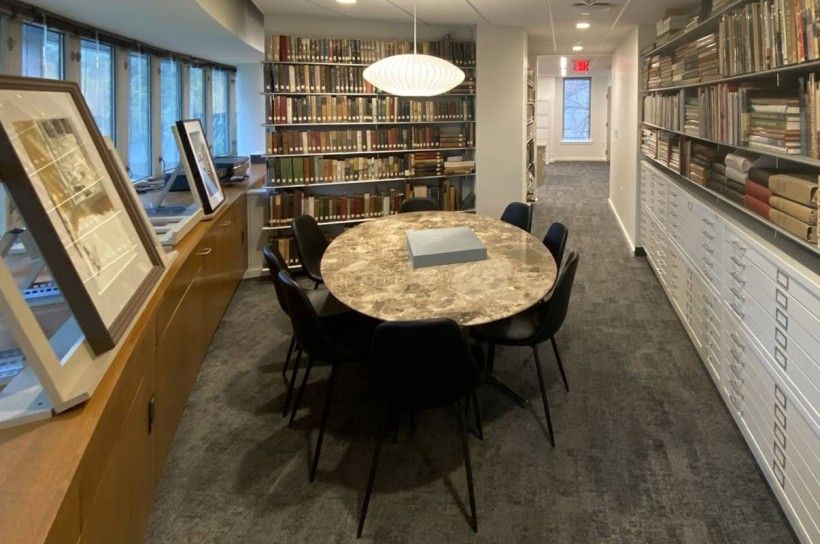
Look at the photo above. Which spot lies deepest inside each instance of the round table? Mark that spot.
(368, 268)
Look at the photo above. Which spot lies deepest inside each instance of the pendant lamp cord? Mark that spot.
(415, 35)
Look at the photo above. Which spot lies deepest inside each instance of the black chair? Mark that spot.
(336, 342)
(419, 365)
(518, 214)
(533, 327)
(311, 244)
(556, 242)
(418, 204)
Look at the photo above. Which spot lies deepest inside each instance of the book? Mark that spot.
(300, 142)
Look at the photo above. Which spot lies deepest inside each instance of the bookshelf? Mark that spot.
(531, 144)
(737, 80)
(345, 152)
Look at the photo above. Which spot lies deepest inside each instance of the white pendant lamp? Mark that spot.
(414, 74)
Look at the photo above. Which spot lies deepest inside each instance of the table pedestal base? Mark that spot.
(496, 382)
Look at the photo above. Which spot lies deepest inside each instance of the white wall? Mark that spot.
(241, 18)
(623, 170)
(501, 117)
(250, 109)
(595, 149)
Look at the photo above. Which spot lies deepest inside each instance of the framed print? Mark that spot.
(199, 164)
(77, 205)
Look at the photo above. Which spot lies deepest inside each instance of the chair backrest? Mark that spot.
(306, 325)
(556, 242)
(418, 204)
(310, 245)
(276, 264)
(519, 215)
(422, 364)
(554, 310)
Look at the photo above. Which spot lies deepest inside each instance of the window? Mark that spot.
(42, 52)
(170, 109)
(221, 124)
(196, 94)
(97, 83)
(139, 115)
(576, 109)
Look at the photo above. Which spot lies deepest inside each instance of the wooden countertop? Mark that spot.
(39, 462)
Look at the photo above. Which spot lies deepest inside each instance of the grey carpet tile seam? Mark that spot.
(645, 450)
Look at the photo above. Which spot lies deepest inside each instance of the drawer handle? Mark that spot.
(709, 236)
(780, 396)
(737, 294)
(227, 223)
(736, 403)
(707, 301)
(782, 319)
(738, 279)
(740, 314)
(736, 387)
(734, 337)
(738, 246)
(708, 222)
(782, 299)
(780, 358)
(737, 373)
(206, 251)
(737, 357)
(707, 248)
(738, 263)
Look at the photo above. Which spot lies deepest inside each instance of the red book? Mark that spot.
(757, 206)
(758, 191)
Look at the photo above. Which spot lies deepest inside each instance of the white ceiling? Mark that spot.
(611, 21)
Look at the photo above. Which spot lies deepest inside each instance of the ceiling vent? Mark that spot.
(597, 5)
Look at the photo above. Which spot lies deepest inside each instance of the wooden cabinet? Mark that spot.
(88, 475)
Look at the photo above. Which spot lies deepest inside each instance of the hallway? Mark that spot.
(646, 451)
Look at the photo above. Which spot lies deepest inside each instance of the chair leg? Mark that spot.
(477, 412)
(465, 446)
(292, 381)
(316, 286)
(325, 414)
(543, 393)
(298, 400)
(491, 357)
(372, 478)
(560, 364)
(287, 358)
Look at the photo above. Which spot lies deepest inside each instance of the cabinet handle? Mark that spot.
(737, 294)
(707, 301)
(710, 223)
(738, 263)
(737, 246)
(206, 251)
(737, 357)
(736, 403)
(736, 387)
(707, 261)
(738, 279)
(737, 373)
(740, 314)
(737, 342)
(227, 223)
(707, 248)
(706, 233)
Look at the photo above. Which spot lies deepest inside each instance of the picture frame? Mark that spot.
(199, 164)
(77, 204)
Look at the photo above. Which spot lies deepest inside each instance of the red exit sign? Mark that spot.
(580, 65)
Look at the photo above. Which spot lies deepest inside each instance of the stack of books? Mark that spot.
(653, 70)
(691, 116)
(428, 163)
(649, 143)
(700, 163)
(458, 166)
(666, 71)
(287, 248)
(708, 62)
(786, 198)
(775, 124)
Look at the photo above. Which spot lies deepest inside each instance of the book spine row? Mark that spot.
(284, 206)
(307, 170)
(287, 248)
(335, 50)
(311, 78)
(354, 141)
(337, 109)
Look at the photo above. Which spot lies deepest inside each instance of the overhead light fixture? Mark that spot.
(346, 1)
(577, 47)
(582, 25)
(414, 74)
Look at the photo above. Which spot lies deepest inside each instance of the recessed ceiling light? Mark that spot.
(577, 47)
(346, 1)
(582, 25)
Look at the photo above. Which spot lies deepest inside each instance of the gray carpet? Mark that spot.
(646, 451)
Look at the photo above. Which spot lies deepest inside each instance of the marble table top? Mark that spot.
(368, 268)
